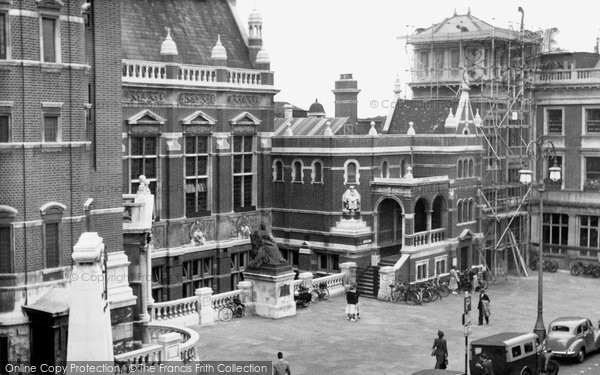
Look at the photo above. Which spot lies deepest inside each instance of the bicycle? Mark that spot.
(233, 308)
(405, 292)
(322, 293)
(441, 286)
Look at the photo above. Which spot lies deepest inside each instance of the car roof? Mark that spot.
(568, 321)
(504, 338)
(436, 372)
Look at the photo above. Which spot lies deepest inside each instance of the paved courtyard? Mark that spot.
(396, 338)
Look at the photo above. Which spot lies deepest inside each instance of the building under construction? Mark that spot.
(470, 70)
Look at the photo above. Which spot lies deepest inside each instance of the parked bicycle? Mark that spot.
(587, 269)
(322, 293)
(405, 292)
(549, 265)
(441, 286)
(233, 308)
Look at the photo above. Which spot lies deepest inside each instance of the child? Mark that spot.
(351, 300)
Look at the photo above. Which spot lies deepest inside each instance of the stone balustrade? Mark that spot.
(170, 310)
(136, 71)
(162, 337)
(438, 235)
(569, 76)
(220, 300)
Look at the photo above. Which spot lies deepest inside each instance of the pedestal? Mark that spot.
(353, 227)
(273, 291)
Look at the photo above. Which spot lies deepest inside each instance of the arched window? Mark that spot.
(7, 217)
(460, 211)
(352, 174)
(278, 171)
(317, 172)
(460, 169)
(471, 168)
(471, 209)
(297, 172)
(385, 169)
(402, 168)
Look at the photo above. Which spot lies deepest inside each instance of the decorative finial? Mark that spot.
(328, 132)
(372, 131)
(409, 174)
(288, 130)
(477, 118)
(468, 11)
(168, 46)
(411, 129)
(218, 51)
(455, 14)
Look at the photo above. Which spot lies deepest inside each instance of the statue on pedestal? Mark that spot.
(351, 203)
(264, 249)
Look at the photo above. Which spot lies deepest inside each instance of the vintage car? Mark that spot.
(572, 337)
(510, 354)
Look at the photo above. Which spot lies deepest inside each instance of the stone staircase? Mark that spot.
(367, 281)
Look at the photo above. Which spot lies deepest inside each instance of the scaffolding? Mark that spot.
(501, 92)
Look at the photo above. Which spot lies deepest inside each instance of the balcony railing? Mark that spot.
(569, 76)
(135, 71)
(426, 237)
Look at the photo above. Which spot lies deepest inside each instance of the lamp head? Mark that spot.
(555, 173)
(525, 176)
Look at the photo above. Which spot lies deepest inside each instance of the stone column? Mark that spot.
(206, 313)
(429, 239)
(246, 288)
(409, 228)
(90, 333)
(387, 277)
(349, 271)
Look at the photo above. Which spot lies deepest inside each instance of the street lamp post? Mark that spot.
(540, 150)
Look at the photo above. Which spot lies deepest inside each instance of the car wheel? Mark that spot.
(580, 355)
(526, 371)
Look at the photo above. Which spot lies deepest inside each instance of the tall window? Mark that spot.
(329, 263)
(460, 169)
(422, 269)
(238, 265)
(592, 173)
(278, 171)
(52, 244)
(143, 157)
(554, 121)
(51, 129)
(556, 229)
(3, 36)
(592, 120)
(440, 265)
(5, 250)
(50, 39)
(588, 231)
(351, 175)
(243, 154)
(385, 169)
(196, 274)
(317, 172)
(297, 173)
(4, 128)
(157, 283)
(402, 168)
(454, 61)
(196, 175)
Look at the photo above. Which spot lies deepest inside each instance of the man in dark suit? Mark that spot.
(484, 307)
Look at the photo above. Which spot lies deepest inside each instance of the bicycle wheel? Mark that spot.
(575, 270)
(426, 296)
(239, 311)
(225, 314)
(395, 297)
(553, 267)
(412, 298)
(325, 294)
(314, 296)
(444, 290)
(305, 302)
(533, 264)
(436, 293)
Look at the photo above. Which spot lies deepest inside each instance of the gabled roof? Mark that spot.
(460, 27)
(194, 25)
(309, 125)
(198, 117)
(146, 116)
(245, 118)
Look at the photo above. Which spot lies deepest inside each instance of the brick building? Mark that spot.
(418, 193)
(60, 115)
(197, 122)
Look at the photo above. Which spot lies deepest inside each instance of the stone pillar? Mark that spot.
(429, 226)
(246, 288)
(206, 312)
(273, 291)
(305, 258)
(170, 347)
(90, 333)
(349, 271)
(145, 281)
(409, 228)
(387, 277)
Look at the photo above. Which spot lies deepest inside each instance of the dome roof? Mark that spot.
(168, 46)
(316, 109)
(218, 51)
(255, 17)
(263, 57)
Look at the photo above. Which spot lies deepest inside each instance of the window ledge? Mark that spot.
(317, 183)
(297, 182)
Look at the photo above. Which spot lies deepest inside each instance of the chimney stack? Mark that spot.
(288, 111)
(346, 97)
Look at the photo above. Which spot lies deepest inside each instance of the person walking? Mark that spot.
(281, 367)
(484, 307)
(440, 351)
(453, 283)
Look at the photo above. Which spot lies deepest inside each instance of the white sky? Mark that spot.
(312, 41)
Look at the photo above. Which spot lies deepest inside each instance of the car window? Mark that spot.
(516, 351)
(528, 347)
(585, 326)
(560, 328)
(580, 329)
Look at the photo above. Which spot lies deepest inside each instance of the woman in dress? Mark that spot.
(453, 283)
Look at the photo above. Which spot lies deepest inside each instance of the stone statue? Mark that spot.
(351, 201)
(143, 188)
(264, 249)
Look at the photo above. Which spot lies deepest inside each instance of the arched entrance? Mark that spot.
(389, 227)
(421, 208)
(438, 218)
